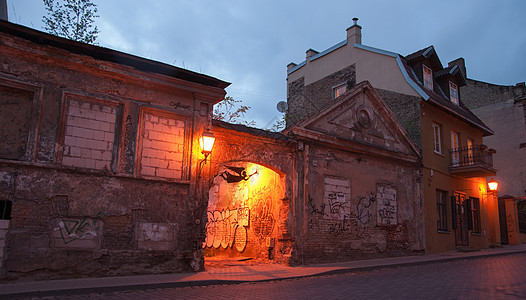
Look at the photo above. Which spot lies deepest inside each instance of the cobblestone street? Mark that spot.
(500, 277)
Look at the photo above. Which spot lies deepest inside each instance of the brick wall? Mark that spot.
(304, 101)
(89, 135)
(4, 227)
(478, 93)
(163, 141)
(15, 106)
(368, 208)
(407, 111)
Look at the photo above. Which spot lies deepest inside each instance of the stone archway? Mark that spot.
(245, 209)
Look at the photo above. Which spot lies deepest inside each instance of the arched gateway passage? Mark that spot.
(244, 212)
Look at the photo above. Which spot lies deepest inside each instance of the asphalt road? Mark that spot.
(502, 277)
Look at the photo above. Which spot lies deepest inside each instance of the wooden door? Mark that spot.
(462, 230)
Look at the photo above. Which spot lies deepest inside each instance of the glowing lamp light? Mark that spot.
(493, 185)
(207, 143)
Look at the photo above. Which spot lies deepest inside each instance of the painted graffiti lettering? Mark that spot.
(177, 105)
(71, 230)
(387, 205)
(337, 198)
(337, 203)
(340, 227)
(363, 213)
(314, 210)
(387, 214)
(227, 228)
(262, 218)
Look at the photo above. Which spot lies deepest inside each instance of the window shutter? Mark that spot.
(470, 216)
(453, 212)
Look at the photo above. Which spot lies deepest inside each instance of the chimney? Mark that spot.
(309, 53)
(290, 66)
(354, 33)
(461, 64)
(3, 10)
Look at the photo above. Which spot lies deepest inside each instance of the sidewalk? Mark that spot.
(233, 273)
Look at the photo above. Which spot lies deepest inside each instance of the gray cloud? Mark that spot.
(249, 43)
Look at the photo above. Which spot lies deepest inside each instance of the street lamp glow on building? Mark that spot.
(493, 185)
(207, 143)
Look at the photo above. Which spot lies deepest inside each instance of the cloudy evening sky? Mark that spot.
(250, 43)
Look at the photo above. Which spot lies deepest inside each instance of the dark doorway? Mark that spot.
(462, 220)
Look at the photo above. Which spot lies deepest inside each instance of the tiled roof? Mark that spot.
(110, 55)
(459, 111)
(453, 71)
(428, 53)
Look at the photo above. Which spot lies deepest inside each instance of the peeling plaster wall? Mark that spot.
(358, 206)
(243, 210)
(97, 161)
(92, 225)
(266, 196)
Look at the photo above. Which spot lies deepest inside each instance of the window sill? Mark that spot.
(439, 153)
(444, 231)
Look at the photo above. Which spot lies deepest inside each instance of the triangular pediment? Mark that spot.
(359, 117)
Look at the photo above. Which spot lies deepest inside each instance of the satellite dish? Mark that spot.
(282, 106)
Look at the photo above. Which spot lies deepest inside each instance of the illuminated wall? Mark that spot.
(243, 210)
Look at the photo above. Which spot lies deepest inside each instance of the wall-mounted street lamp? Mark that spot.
(207, 143)
(493, 185)
(492, 189)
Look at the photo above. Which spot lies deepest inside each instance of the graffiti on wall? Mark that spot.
(262, 218)
(316, 210)
(338, 213)
(71, 229)
(387, 205)
(242, 209)
(236, 174)
(73, 232)
(336, 200)
(227, 228)
(363, 210)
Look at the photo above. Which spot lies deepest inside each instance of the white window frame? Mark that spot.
(427, 75)
(339, 90)
(453, 93)
(437, 138)
(455, 147)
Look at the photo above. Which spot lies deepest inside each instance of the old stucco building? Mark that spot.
(503, 108)
(99, 159)
(424, 97)
(341, 185)
(102, 174)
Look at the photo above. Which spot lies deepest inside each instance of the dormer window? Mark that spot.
(339, 90)
(428, 78)
(453, 92)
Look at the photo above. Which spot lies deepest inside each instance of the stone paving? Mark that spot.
(499, 277)
(396, 276)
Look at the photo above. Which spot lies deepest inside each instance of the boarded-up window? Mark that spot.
(15, 113)
(162, 146)
(337, 198)
(387, 205)
(89, 134)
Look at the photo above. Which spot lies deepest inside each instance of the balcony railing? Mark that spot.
(472, 161)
